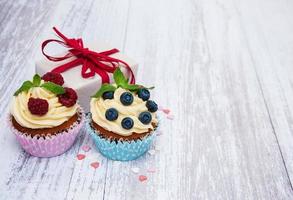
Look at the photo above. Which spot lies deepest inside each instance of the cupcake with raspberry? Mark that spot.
(123, 119)
(44, 116)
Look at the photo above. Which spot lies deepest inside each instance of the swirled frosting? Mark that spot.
(56, 115)
(98, 107)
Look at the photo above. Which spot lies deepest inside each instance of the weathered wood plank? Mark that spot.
(221, 144)
(269, 31)
(215, 63)
(63, 176)
(20, 29)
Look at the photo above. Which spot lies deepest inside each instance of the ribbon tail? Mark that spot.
(105, 58)
(86, 67)
(109, 52)
(103, 74)
(99, 63)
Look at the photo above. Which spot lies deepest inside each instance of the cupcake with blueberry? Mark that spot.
(45, 116)
(123, 119)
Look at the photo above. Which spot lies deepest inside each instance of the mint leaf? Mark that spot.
(119, 77)
(121, 81)
(37, 80)
(56, 89)
(135, 88)
(104, 88)
(132, 87)
(149, 88)
(24, 87)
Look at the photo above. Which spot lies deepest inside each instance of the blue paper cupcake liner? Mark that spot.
(121, 150)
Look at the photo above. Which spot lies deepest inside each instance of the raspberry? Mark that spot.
(54, 78)
(69, 98)
(38, 106)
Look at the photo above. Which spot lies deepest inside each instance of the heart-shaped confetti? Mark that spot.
(166, 111)
(171, 117)
(86, 148)
(142, 178)
(80, 156)
(95, 165)
(135, 169)
(152, 152)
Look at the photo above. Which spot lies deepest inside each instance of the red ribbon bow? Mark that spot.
(92, 62)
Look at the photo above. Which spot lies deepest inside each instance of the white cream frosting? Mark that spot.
(98, 107)
(56, 115)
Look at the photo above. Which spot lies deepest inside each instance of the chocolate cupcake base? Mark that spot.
(43, 132)
(115, 137)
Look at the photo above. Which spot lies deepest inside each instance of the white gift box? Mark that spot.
(85, 87)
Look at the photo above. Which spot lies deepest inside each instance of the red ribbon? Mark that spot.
(92, 62)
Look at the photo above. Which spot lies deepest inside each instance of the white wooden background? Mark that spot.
(224, 68)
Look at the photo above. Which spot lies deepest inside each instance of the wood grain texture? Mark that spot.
(271, 51)
(224, 68)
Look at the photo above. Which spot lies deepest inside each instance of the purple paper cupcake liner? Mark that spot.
(51, 145)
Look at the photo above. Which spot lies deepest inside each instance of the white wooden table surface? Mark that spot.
(223, 67)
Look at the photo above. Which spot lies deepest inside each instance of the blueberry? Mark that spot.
(127, 123)
(126, 98)
(152, 106)
(108, 95)
(144, 94)
(111, 114)
(145, 117)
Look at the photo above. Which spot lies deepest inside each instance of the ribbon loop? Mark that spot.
(92, 62)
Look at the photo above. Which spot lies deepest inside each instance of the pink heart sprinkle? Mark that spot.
(80, 156)
(95, 165)
(142, 178)
(166, 111)
(171, 117)
(86, 148)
